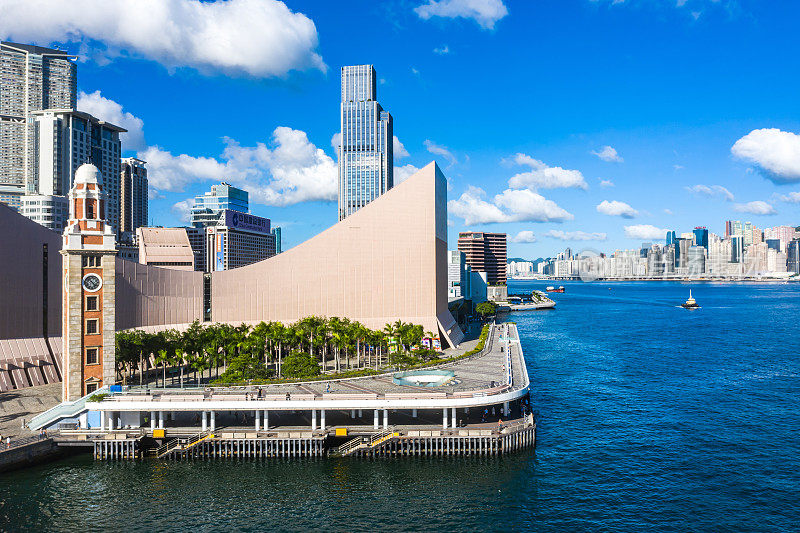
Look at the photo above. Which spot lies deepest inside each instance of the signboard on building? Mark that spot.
(246, 222)
(220, 249)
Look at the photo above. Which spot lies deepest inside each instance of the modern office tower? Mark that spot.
(209, 206)
(65, 139)
(197, 240)
(238, 239)
(701, 236)
(774, 244)
(32, 78)
(50, 211)
(165, 248)
(671, 237)
(682, 246)
(365, 150)
(737, 248)
(793, 256)
(278, 244)
(459, 274)
(485, 252)
(696, 263)
(133, 196)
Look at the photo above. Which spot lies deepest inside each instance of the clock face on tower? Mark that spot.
(92, 282)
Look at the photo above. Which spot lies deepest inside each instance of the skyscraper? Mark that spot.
(209, 206)
(133, 196)
(701, 236)
(485, 252)
(33, 78)
(365, 150)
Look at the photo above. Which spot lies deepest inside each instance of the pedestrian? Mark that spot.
(8, 442)
(499, 423)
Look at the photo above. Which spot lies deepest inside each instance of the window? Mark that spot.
(91, 261)
(91, 303)
(91, 356)
(92, 326)
(91, 387)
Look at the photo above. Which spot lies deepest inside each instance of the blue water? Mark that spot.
(651, 417)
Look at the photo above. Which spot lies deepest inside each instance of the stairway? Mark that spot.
(358, 443)
(181, 445)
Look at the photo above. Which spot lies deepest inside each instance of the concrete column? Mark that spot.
(152, 420)
(352, 413)
(506, 409)
(360, 413)
(444, 418)
(266, 420)
(161, 420)
(385, 419)
(322, 419)
(203, 421)
(375, 421)
(258, 420)
(313, 420)
(213, 420)
(102, 420)
(453, 416)
(111, 417)
(414, 413)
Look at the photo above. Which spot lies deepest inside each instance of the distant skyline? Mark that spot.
(580, 123)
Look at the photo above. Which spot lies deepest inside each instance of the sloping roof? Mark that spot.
(41, 50)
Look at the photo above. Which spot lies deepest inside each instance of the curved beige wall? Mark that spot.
(383, 263)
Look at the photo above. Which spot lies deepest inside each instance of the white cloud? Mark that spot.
(442, 50)
(575, 235)
(776, 153)
(402, 173)
(677, 167)
(755, 208)
(290, 171)
(398, 150)
(440, 150)
(645, 232)
(484, 12)
(606, 183)
(713, 191)
(336, 141)
(105, 109)
(183, 210)
(508, 206)
(609, 155)
(668, 212)
(259, 38)
(524, 236)
(792, 197)
(542, 176)
(616, 209)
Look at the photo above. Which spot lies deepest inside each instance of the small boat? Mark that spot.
(690, 303)
(553, 289)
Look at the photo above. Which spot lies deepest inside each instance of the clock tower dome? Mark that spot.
(89, 252)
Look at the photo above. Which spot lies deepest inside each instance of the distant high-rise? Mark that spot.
(133, 195)
(485, 252)
(793, 253)
(32, 78)
(701, 236)
(365, 149)
(209, 206)
(671, 237)
(65, 139)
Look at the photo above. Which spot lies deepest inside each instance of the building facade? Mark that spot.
(32, 78)
(165, 248)
(238, 239)
(485, 252)
(89, 326)
(208, 207)
(65, 140)
(50, 211)
(133, 196)
(365, 151)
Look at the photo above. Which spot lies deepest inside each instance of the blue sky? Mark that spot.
(583, 123)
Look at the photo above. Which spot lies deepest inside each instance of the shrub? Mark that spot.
(300, 365)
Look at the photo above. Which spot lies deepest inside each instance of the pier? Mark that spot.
(480, 408)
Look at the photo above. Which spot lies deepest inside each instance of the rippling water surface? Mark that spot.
(651, 417)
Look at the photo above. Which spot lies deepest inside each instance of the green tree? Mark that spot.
(300, 365)
(486, 309)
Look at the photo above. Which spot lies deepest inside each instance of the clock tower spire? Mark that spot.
(89, 251)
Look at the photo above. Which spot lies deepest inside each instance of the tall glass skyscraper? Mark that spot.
(365, 150)
(209, 206)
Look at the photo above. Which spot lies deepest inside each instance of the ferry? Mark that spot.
(690, 303)
(553, 289)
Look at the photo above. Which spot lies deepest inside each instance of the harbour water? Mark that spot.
(650, 417)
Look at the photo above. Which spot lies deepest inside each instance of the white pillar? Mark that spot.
(258, 420)
(375, 421)
(444, 418)
(385, 419)
(322, 419)
(161, 420)
(152, 420)
(313, 420)
(506, 409)
(352, 413)
(213, 420)
(204, 421)
(111, 420)
(453, 416)
(360, 414)
(102, 420)
(266, 420)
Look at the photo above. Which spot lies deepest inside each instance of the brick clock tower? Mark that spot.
(89, 252)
